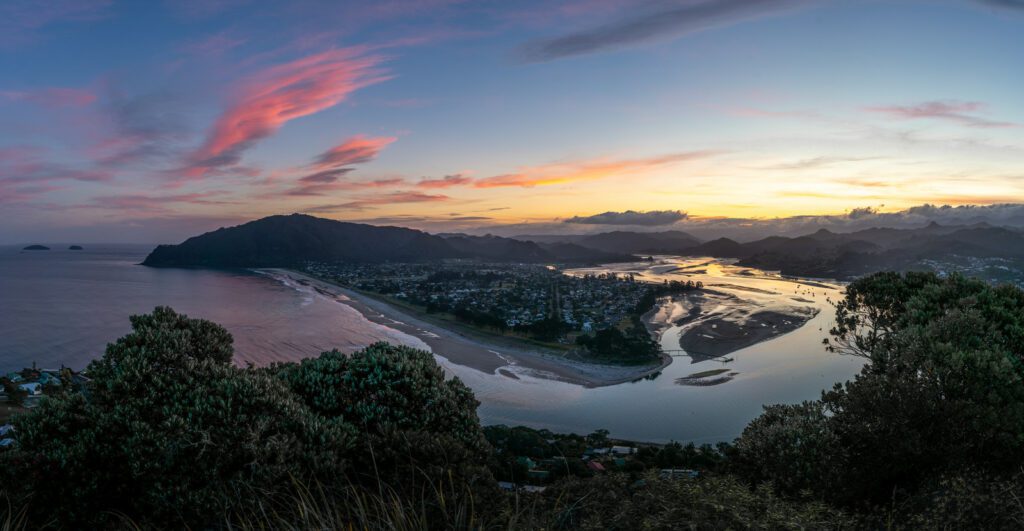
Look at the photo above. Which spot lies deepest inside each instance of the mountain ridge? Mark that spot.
(285, 240)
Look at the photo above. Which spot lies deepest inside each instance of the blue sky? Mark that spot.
(150, 121)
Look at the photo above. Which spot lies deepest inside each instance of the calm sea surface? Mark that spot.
(62, 307)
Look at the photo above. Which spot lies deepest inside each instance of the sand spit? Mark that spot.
(486, 356)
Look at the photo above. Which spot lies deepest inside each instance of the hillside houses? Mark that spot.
(534, 299)
(25, 387)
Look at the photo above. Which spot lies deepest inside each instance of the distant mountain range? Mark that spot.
(846, 255)
(666, 242)
(280, 241)
(829, 254)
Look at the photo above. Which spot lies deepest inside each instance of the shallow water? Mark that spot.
(787, 369)
(62, 307)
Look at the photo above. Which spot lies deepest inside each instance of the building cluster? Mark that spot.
(992, 269)
(596, 461)
(24, 388)
(507, 296)
(27, 386)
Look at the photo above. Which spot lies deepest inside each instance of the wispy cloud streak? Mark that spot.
(21, 20)
(954, 111)
(51, 97)
(265, 102)
(646, 21)
(380, 200)
(335, 163)
(564, 173)
(447, 181)
(356, 150)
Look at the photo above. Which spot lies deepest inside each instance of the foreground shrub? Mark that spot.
(169, 433)
(942, 391)
(168, 429)
(616, 502)
(416, 427)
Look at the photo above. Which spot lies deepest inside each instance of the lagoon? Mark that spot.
(62, 307)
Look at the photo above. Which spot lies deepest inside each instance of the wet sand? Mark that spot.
(707, 378)
(713, 322)
(486, 356)
(718, 337)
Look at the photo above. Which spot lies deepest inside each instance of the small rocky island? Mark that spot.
(75, 248)
(36, 248)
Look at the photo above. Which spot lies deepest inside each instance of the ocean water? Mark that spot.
(62, 307)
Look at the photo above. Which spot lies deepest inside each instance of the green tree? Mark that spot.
(941, 392)
(415, 424)
(791, 446)
(169, 431)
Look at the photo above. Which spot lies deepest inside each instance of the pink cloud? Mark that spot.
(356, 150)
(384, 199)
(955, 111)
(268, 100)
(26, 173)
(143, 204)
(568, 172)
(447, 181)
(330, 166)
(28, 164)
(52, 97)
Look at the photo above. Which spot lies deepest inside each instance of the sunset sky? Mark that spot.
(152, 121)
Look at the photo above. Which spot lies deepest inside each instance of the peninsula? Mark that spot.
(493, 303)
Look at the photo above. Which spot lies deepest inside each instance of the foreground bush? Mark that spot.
(170, 433)
(941, 396)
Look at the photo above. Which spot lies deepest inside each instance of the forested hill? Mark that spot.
(280, 241)
(993, 253)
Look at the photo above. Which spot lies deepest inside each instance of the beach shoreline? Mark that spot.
(475, 352)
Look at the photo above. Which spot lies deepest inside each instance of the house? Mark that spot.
(7, 443)
(595, 466)
(526, 461)
(6, 430)
(15, 377)
(507, 486)
(33, 388)
(47, 378)
(623, 450)
(533, 488)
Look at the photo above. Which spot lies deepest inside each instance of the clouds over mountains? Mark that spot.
(631, 217)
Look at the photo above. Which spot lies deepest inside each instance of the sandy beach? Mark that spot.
(462, 349)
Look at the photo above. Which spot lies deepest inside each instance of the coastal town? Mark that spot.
(600, 313)
(22, 390)
(504, 296)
